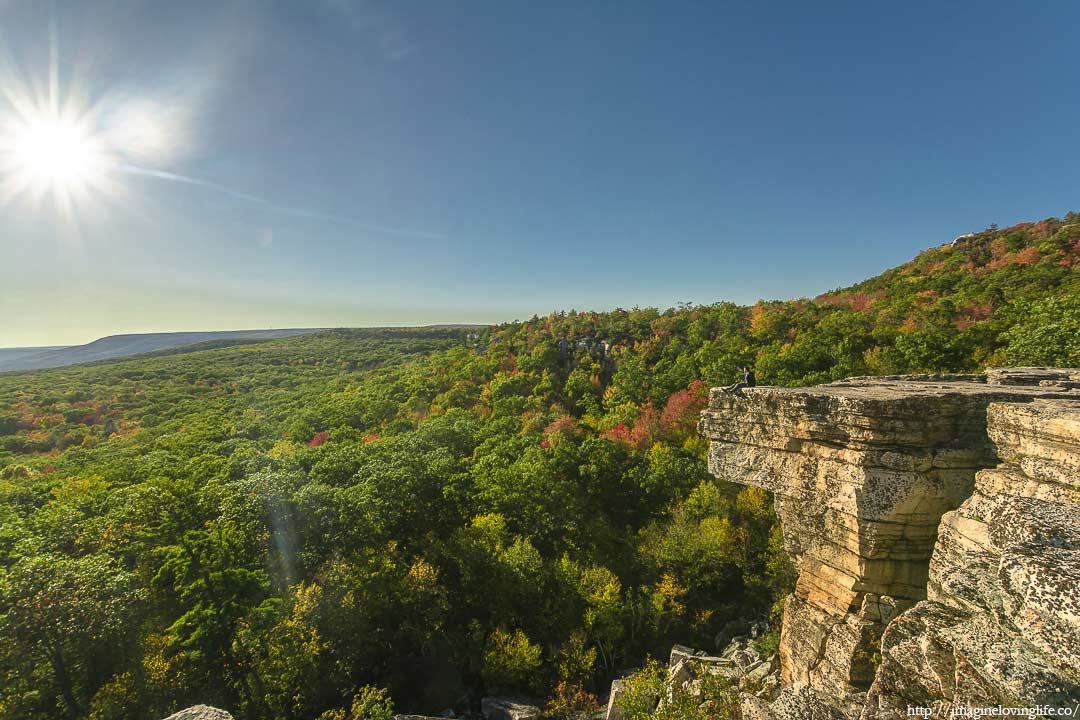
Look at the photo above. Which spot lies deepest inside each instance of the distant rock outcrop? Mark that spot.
(200, 712)
(863, 471)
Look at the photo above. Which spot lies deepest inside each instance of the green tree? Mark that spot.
(511, 662)
(69, 613)
(1047, 332)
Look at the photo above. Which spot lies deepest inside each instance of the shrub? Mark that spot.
(646, 696)
(571, 702)
(511, 661)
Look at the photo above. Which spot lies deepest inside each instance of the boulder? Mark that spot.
(793, 703)
(731, 630)
(614, 712)
(680, 653)
(679, 675)
(754, 677)
(501, 708)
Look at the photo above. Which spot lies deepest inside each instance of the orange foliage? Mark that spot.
(963, 323)
(861, 301)
(999, 248)
(1028, 256)
(758, 318)
(824, 299)
(927, 296)
(979, 311)
(1042, 228)
(932, 266)
(910, 324)
(565, 426)
(646, 428)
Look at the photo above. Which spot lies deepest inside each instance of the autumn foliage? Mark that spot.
(293, 526)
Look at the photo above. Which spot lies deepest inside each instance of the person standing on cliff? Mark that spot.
(749, 380)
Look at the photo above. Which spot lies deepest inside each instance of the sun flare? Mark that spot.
(57, 154)
(71, 146)
(50, 153)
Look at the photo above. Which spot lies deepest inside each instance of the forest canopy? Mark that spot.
(363, 519)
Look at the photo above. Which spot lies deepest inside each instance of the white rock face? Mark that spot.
(200, 712)
(863, 471)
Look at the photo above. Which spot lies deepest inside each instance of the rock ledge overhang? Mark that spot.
(863, 472)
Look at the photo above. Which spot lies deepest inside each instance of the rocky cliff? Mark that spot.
(935, 524)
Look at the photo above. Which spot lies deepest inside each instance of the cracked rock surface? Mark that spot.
(1001, 622)
(863, 473)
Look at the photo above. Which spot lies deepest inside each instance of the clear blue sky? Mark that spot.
(333, 162)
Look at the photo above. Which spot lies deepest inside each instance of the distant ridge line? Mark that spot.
(113, 347)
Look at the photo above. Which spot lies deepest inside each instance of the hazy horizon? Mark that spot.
(184, 331)
(335, 163)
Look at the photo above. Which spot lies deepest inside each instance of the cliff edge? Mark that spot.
(935, 524)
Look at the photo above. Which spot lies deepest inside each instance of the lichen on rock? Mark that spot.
(863, 472)
(1001, 623)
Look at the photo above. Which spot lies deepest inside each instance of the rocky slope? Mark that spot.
(934, 523)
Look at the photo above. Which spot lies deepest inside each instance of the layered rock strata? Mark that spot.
(1001, 623)
(862, 473)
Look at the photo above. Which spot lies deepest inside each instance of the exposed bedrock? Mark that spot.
(1001, 623)
(863, 472)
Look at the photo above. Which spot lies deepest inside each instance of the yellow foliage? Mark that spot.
(119, 696)
(491, 528)
(753, 502)
(423, 576)
(511, 660)
(599, 586)
(161, 667)
(703, 617)
(667, 596)
(76, 490)
(283, 449)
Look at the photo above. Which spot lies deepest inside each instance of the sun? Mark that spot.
(57, 153)
(48, 153)
(70, 146)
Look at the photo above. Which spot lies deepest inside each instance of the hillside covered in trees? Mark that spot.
(303, 527)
